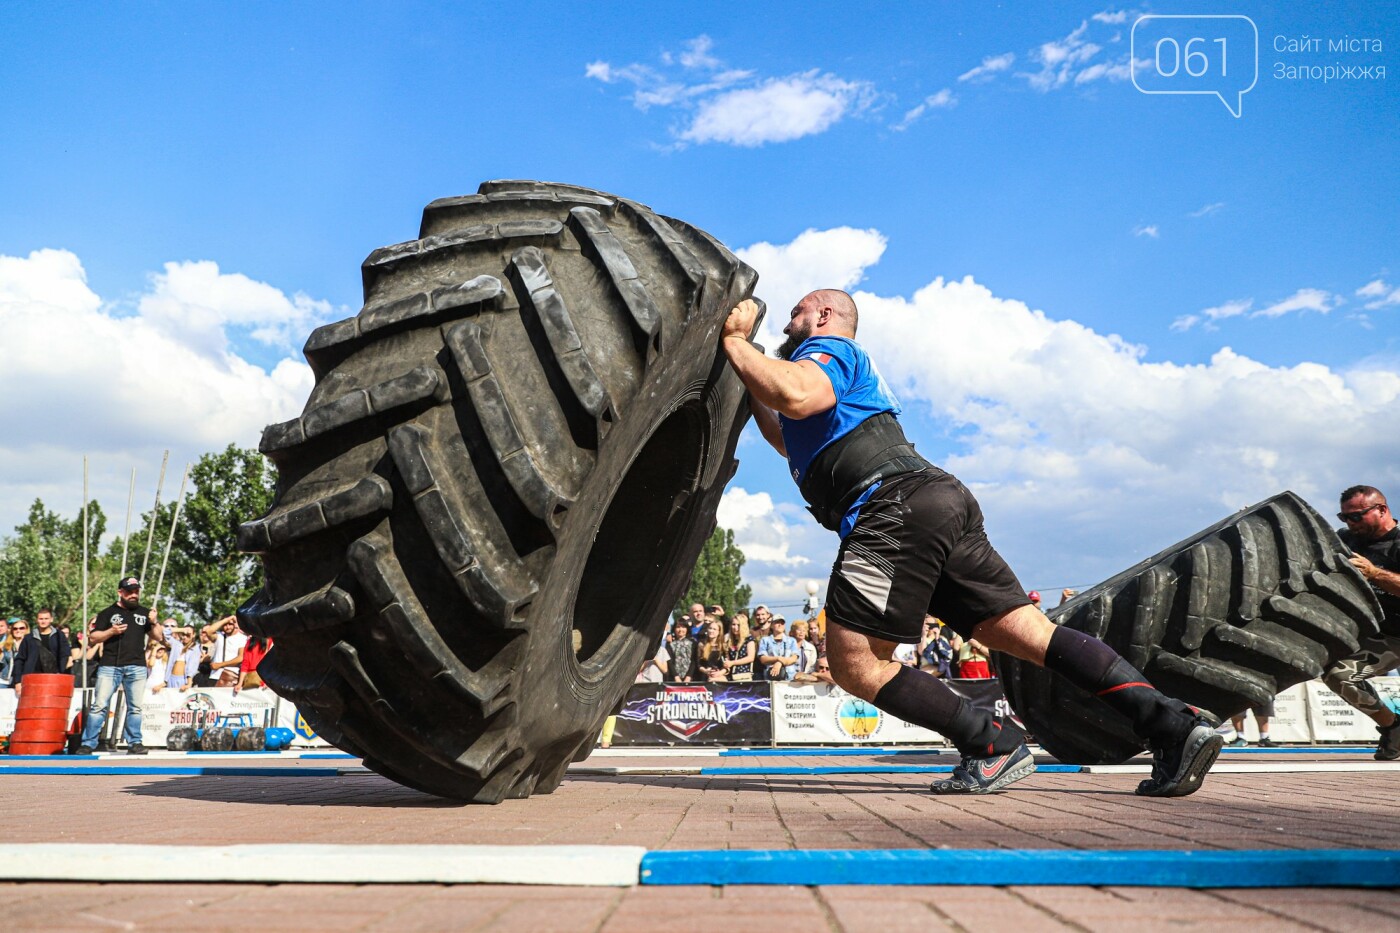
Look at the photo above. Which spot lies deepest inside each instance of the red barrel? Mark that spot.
(42, 717)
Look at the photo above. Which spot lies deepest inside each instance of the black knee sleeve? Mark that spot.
(1092, 665)
(924, 700)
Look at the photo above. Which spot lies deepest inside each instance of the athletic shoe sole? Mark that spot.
(1203, 747)
(1023, 769)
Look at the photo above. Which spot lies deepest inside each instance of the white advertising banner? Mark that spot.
(9, 703)
(1335, 720)
(1290, 720)
(163, 711)
(817, 714)
(166, 709)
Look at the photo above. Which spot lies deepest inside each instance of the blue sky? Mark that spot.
(194, 186)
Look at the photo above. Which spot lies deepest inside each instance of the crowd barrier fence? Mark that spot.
(736, 714)
(763, 713)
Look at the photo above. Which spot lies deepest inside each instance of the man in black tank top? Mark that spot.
(1373, 535)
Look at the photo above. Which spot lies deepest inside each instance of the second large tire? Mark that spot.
(1224, 620)
(500, 484)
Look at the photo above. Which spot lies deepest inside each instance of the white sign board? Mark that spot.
(166, 709)
(817, 714)
(1289, 723)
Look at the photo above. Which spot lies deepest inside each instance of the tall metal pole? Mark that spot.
(174, 521)
(83, 621)
(155, 510)
(126, 532)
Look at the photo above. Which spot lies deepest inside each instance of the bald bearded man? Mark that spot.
(912, 543)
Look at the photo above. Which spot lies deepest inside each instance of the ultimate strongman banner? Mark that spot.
(696, 714)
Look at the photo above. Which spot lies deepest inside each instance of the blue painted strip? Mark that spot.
(177, 771)
(52, 757)
(869, 769)
(836, 752)
(309, 755)
(1145, 868)
(791, 750)
(1303, 750)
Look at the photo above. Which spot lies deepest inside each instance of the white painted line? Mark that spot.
(615, 866)
(1272, 767)
(575, 770)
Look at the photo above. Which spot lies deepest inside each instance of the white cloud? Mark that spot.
(195, 303)
(87, 377)
(991, 66)
(1086, 453)
(697, 53)
(783, 548)
(1207, 209)
(1112, 17)
(735, 106)
(940, 101)
(835, 258)
(1147, 230)
(1304, 299)
(778, 110)
(1069, 61)
(1383, 294)
(1210, 315)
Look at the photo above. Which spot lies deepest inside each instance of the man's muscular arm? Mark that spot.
(767, 420)
(1387, 580)
(797, 390)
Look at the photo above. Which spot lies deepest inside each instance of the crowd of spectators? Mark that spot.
(186, 656)
(709, 645)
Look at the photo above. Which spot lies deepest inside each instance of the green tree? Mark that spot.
(207, 576)
(717, 575)
(41, 565)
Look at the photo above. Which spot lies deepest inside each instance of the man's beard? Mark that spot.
(131, 602)
(790, 345)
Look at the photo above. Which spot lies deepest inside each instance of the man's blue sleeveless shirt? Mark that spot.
(860, 393)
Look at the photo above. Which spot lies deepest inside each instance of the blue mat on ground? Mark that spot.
(1263, 868)
(867, 769)
(790, 750)
(170, 771)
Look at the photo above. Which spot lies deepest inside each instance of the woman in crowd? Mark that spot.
(204, 674)
(253, 653)
(85, 650)
(7, 652)
(683, 668)
(184, 658)
(806, 651)
(815, 634)
(709, 651)
(973, 660)
(157, 665)
(740, 648)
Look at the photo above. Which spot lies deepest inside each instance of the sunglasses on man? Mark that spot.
(1352, 518)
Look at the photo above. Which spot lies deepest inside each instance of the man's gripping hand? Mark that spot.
(742, 320)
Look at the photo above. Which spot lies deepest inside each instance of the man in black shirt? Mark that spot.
(30, 657)
(1374, 538)
(123, 629)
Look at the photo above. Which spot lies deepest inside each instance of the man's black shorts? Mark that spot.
(918, 546)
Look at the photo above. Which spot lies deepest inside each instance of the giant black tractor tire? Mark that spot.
(1224, 620)
(499, 486)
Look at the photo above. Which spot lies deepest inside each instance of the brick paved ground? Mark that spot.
(1234, 811)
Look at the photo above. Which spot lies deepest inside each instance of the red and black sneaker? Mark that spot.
(985, 775)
